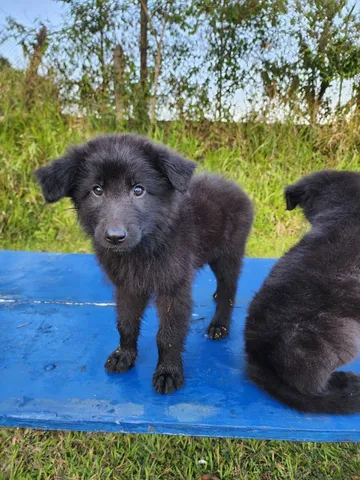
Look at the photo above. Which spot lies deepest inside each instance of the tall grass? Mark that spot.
(261, 157)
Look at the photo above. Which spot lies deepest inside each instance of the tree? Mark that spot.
(159, 39)
(4, 63)
(119, 83)
(142, 105)
(84, 52)
(323, 36)
(35, 59)
(232, 28)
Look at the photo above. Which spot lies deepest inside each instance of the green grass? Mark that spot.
(263, 159)
(27, 454)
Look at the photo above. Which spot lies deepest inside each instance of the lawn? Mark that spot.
(263, 159)
(28, 454)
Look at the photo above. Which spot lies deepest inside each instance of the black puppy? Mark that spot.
(304, 323)
(152, 225)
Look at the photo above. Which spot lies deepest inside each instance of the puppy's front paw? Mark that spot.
(217, 332)
(168, 378)
(120, 361)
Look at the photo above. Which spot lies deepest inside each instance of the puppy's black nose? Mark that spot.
(116, 235)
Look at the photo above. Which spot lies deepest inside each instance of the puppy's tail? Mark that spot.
(342, 395)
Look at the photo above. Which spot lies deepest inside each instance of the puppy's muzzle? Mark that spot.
(115, 236)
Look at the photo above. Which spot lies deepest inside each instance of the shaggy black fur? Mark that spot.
(304, 323)
(152, 224)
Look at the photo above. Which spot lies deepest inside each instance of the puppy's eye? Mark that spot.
(97, 190)
(139, 190)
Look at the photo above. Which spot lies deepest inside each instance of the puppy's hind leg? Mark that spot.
(226, 270)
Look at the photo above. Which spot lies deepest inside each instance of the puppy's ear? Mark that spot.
(293, 196)
(58, 179)
(177, 169)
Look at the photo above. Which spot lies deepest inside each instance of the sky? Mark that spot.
(25, 12)
(48, 11)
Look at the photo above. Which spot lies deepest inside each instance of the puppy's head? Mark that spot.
(324, 192)
(124, 187)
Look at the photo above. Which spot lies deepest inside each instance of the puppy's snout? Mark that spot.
(116, 235)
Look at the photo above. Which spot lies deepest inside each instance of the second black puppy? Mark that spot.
(304, 323)
(152, 224)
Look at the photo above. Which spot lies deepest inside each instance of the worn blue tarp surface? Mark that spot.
(57, 327)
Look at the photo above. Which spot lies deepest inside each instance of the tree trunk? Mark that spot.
(34, 64)
(156, 82)
(104, 75)
(119, 82)
(144, 95)
(158, 60)
(220, 66)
